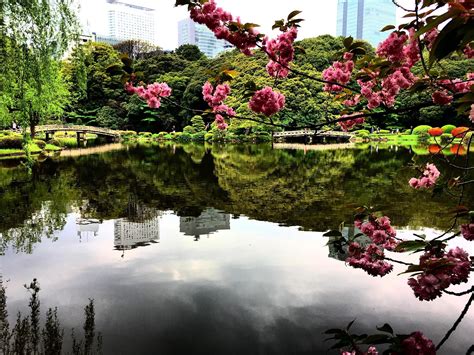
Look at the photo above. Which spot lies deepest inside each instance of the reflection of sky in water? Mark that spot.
(256, 288)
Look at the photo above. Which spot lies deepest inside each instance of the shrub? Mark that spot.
(162, 134)
(12, 142)
(459, 132)
(446, 137)
(384, 131)
(168, 137)
(145, 134)
(421, 129)
(40, 143)
(467, 137)
(189, 130)
(362, 132)
(435, 131)
(184, 137)
(408, 131)
(109, 117)
(208, 136)
(199, 136)
(55, 142)
(198, 123)
(448, 128)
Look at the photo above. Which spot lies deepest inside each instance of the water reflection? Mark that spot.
(209, 221)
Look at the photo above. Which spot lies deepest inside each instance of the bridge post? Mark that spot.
(80, 137)
(47, 136)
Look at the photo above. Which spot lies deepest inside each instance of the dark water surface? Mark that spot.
(216, 250)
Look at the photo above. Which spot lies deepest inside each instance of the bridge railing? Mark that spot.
(77, 128)
(307, 132)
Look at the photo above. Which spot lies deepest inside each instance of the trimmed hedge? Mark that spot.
(40, 143)
(448, 128)
(12, 142)
(423, 129)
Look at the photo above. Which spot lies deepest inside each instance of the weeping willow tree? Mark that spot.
(34, 35)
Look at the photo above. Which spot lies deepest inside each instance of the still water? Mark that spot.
(216, 250)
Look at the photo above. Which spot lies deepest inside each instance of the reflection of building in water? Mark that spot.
(141, 228)
(209, 221)
(87, 227)
(340, 252)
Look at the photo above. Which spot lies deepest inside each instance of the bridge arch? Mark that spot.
(80, 130)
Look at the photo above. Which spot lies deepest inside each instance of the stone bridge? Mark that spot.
(311, 133)
(81, 131)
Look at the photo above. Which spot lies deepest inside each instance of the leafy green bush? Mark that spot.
(199, 136)
(168, 137)
(198, 123)
(12, 142)
(445, 138)
(362, 132)
(40, 143)
(448, 128)
(467, 137)
(184, 137)
(408, 131)
(189, 130)
(108, 117)
(55, 142)
(145, 134)
(162, 134)
(418, 130)
(208, 136)
(384, 131)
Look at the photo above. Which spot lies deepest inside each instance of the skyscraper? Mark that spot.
(363, 19)
(129, 21)
(191, 33)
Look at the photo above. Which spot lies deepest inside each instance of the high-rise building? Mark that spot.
(190, 32)
(126, 21)
(363, 19)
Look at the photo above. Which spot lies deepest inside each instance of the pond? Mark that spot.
(217, 249)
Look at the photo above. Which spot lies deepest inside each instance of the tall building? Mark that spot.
(126, 20)
(209, 221)
(363, 19)
(190, 32)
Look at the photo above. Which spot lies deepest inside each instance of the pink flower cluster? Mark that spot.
(467, 231)
(338, 73)
(267, 101)
(281, 52)
(151, 93)
(411, 51)
(401, 78)
(418, 344)
(392, 47)
(370, 351)
(443, 97)
(348, 123)
(430, 37)
(218, 20)
(215, 99)
(440, 270)
(428, 179)
(471, 114)
(469, 52)
(370, 259)
(379, 231)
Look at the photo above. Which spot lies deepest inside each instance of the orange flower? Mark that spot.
(434, 148)
(458, 149)
(459, 132)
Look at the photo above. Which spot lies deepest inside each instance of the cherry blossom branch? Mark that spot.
(456, 323)
(460, 293)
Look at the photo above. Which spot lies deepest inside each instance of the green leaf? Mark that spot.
(411, 245)
(386, 328)
(388, 27)
(448, 40)
(278, 24)
(348, 41)
(411, 269)
(377, 339)
(293, 14)
(332, 233)
(435, 22)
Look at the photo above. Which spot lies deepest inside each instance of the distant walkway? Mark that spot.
(80, 130)
(307, 147)
(77, 152)
(311, 133)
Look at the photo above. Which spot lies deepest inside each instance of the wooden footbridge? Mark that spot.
(81, 131)
(312, 133)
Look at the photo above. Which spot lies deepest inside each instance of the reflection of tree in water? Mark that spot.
(338, 245)
(27, 336)
(315, 190)
(208, 222)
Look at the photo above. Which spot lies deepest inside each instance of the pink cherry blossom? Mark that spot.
(267, 101)
(380, 231)
(392, 47)
(215, 98)
(347, 123)
(469, 52)
(467, 231)
(411, 51)
(440, 270)
(281, 52)
(441, 97)
(338, 73)
(430, 37)
(417, 344)
(471, 113)
(152, 93)
(428, 179)
(369, 259)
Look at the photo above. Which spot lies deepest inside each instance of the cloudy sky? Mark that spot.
(319, 15)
